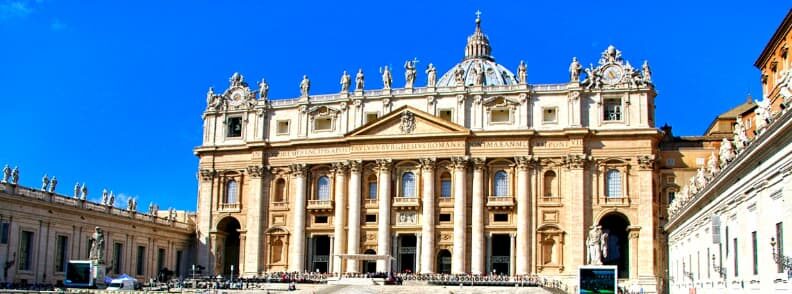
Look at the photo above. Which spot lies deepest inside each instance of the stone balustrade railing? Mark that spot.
(413, 91)
(405, 201)
(57, 199)
(315, 204)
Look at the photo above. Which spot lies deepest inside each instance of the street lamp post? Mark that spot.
(784, 262)
(718, 268)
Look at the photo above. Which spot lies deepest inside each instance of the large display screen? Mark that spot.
(597, 279)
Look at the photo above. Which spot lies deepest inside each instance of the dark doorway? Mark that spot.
(230, 251)
(501, 253)
(618, 253)
(370, 266)
(407, 245)
(321, 254)
(444, 262)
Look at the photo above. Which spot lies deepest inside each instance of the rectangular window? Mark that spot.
(323, 124)
(372, 190)
(445, 217)
(371, 218)
(709, 264)
(500, 217)
(320, 219)
(727, 241)
(612, 108)
(61, 244)
(670, 162)
(178, 266)
(736, 268)
(141, 260)
(371, 116)
(549, 115)
(499, 115)
(671, 196)
(445, 188)
(780, 244)
(160, 259)
(4, 231)
(445, 114)
(118, 257)
(88, 249)
(755, 254)
(25, 255)
(234, 127)
(283, 127)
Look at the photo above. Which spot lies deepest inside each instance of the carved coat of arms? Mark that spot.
(407, 122)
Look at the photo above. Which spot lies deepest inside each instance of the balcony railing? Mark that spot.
(320, 204)
(229, 206)
(370, 203)
(623, 200)
(405, 202)
(500, 201)
(280, 205)
(445, 201)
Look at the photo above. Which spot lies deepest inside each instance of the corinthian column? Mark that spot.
(477, 226)
(523, 208)
(353, 232)
(460, 206)
(297, 243)
(428, 216)
(340, 215)
(383, 224)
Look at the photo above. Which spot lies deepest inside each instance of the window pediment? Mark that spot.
(323, 112)
(499, 102)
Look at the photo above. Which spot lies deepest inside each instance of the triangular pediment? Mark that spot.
(407, 121)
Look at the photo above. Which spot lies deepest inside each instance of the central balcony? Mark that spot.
(279, 206)
(320, 205)
(229, 207)
(406, 202)
(500, 202)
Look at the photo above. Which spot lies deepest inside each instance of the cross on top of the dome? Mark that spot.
(478, 44)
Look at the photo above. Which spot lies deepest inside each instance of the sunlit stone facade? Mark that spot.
(477, 172)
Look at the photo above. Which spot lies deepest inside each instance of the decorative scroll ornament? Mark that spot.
(207, 174)
(646, 161)
(612, 71)
(407, 122)
(255, 171)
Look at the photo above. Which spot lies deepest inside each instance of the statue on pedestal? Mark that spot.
(594, 244)
(726, 152)
(77, 190)
(263, 89)
(359, 80)
(305, 86)
(409, 74)
(84, 191)
(387, 79)
(345, 82)
(97, 247)
(151, 208)
(15, 176)
(131, 204)
(45, 183)
(522, 73)
(105, 195)
(111, 199)
(236, 80)
(459, 76)
(647, 72)
(431, 75)
(53, 183)
(6, 173)
(480, 76)
(712, 165)
(574, 70)
(740, 138)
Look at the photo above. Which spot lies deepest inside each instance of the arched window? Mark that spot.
(445, 185)
(232, 191)
(372, 187)
(323, 188)
(408, 184)
(549, 183)
(613, 185)
(501, 184)
(280, 190)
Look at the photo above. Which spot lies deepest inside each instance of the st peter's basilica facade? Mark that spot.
(478, 171)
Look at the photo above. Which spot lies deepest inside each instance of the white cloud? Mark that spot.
(14, 9)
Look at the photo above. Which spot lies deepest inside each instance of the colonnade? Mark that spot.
(347, 193)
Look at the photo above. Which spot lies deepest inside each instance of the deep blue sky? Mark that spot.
(111, 92)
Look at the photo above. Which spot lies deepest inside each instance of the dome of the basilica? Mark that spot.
(478, 59)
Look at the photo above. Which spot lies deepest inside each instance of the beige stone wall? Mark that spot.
(49, 216)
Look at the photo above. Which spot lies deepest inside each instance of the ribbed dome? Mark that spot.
(478, 56)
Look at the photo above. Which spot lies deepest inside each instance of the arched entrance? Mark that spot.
(615, 225)
(229, 250)
(370, 266)
(501, 253)
(321, 254)
(444, 261)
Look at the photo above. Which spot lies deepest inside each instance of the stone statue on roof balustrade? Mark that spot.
(53, 183)
(522, 73)
(77, 190)
(387, 79)
(409, 74)
(345, 82)
(15, 175)
(359, 80)
(45, 183)
(263, 89)
(84, 192)
(305, 86)
(6, 173)
(726, 152)
(647, 72)
(431, 75)
(712, 165)
(574, 70)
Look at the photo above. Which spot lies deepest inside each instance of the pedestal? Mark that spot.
(98, 272)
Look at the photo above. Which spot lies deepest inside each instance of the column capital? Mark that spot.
(384, 164)
(256, 171)
(524, 162)
(646, 162)
(298, 169)
(428, 164)
(459, 162)
(339, 167)
(355, 165)
(479, 162)
(206, 174)
(576, 161)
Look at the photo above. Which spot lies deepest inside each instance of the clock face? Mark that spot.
(236, 98)
(612, 75)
